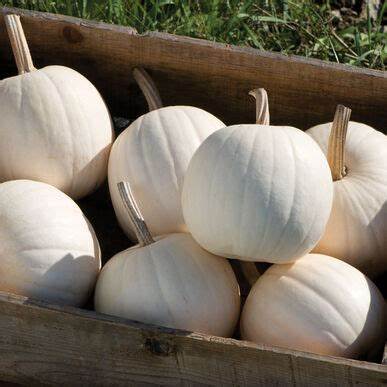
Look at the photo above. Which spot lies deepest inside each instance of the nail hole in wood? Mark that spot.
(157, 347)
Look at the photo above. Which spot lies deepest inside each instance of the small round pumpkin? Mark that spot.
(257, 193)
(54, 125)
(170, 281)
(152, 154)
(48, 249)
(317, 304)
(357, 228)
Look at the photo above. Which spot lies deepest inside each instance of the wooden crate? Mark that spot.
(46, 344)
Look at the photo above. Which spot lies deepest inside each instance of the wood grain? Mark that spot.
(43, 344)
(302, 92)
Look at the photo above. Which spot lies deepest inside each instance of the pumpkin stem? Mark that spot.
(250, 272)
(262, 115)
(148, 88)
(336, 142)
(20, 49)
(140, 228)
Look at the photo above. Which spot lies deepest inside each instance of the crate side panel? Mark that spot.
(62, 345)
(217, 77)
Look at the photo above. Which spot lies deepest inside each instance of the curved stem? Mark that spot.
(250, 272)
(20, 49)
(148, 88)
(262, 115)
(336, 143)
(140, 228)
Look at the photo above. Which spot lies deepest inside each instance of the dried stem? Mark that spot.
(262, 106)
(140, 228)
(336, 143)
(148, 88)
(20, 49)
(250, 272)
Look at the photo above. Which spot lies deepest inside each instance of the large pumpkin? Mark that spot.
(54, 125)
(48, 249)
(357, 228)
(257, 192)
(317, 304)
(152, 154)
(170, 281)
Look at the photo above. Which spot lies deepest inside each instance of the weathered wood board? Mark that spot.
(42, 344)
(302, 92)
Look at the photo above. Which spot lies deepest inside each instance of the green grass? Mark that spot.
(303, 27)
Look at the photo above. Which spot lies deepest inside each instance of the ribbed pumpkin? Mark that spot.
(317, 304)
(169, 281)
(258, 192)
(152, 154)
(48, 249)
(54, 125)
(357, 227)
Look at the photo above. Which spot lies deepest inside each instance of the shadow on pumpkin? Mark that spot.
(80, 270)
(379, 224)
(375, 353)
(70, 281)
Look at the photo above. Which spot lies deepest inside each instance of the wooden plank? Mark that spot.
(213, 76)
(43, 344)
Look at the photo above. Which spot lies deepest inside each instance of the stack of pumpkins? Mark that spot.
(255, 193)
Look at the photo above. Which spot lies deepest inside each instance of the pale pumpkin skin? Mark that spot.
(317, 304)
(172, 282)
(257, 193)
(152, 154)
(357, 228)
(54, 128)
(48, 249)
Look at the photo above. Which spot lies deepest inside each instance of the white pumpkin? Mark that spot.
(54, 125)
(170, 281)
(357, 228)
(317, 304)
(153, 155)
(257, 193)
(48, 249)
